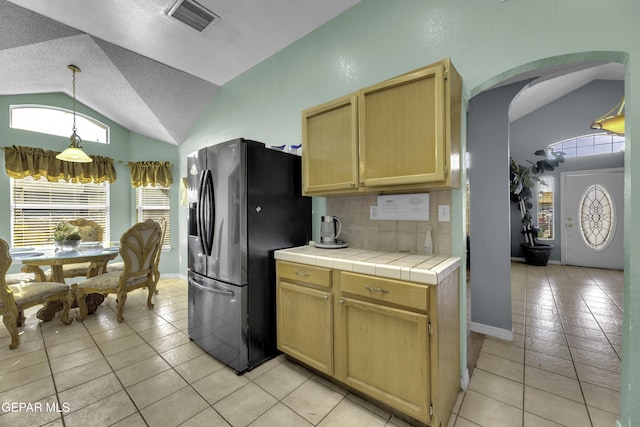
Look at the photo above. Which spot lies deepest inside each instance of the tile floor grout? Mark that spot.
(527, 294)
(43, 331)
(135, 373)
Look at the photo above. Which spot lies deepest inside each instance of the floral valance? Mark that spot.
(21, 162)
(151, 173)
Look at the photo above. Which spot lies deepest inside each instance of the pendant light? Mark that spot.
(74, 153)
(612, 124)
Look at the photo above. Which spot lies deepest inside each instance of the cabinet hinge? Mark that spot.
(431, 410)
(446, 74)
(430, 329)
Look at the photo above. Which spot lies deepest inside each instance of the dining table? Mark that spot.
(33, 259)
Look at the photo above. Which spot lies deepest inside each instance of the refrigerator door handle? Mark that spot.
(195, 284)
(206, 212)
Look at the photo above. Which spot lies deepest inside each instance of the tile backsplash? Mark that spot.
(405, 236)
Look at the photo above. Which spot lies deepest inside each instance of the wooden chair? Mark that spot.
(139, 247)
(14, 299)
(119, 266)
(90, 231)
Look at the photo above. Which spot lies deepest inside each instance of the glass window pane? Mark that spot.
(602, 139)
(618, 146)
(601, 149)
(585, 151)
(545, 208)
(153, 203)
(38, 205)
(584, 141)
(57, 121)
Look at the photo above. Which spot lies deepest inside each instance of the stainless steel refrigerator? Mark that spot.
(244, 203)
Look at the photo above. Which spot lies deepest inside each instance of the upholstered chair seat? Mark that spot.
(139, 247)
(14, 299)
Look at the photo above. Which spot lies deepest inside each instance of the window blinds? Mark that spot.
(38, 205)
(153, 203)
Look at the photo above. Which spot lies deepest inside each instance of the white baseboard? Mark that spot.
(520, 259)
(503, 334)
(464, 379)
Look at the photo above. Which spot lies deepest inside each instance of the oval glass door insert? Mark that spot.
(596, 213)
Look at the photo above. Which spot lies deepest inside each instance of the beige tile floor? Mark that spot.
(146, 371)
(562, 369)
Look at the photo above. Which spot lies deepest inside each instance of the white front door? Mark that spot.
(592, 212)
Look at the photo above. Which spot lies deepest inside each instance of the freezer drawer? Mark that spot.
(218, 320)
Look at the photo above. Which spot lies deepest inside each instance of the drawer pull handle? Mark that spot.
(374, 289)
(298, 273)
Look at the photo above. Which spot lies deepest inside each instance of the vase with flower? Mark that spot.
(66, 236)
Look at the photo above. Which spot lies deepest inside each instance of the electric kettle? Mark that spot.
(330, 227)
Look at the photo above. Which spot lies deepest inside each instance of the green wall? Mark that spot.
(488, 41)
(124, 146)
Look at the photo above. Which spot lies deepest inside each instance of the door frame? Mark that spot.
(563, 182)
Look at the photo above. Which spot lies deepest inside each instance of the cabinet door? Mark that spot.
(305, 325)
(402, 129)
(384, 352)
(330, 146)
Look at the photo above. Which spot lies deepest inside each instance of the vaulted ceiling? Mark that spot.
(154, 75)
(142, 68)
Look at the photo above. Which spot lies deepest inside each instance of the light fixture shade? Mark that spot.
(74, 154)
(612, 124)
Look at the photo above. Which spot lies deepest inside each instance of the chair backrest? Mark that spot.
(139, 247)
(5, 263)
(163, 227)
(89, 231)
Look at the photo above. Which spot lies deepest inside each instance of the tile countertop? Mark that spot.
(413, 267)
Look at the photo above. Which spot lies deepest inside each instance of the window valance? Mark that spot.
(21, 162)
(151, 173)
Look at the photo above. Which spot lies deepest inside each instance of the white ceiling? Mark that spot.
(155, 75)
(143, 69)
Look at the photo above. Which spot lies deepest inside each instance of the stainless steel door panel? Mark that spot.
(217, 320)
(228, 253)
(196, 165)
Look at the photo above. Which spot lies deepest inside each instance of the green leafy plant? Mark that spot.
(521, 181)
(66, 231)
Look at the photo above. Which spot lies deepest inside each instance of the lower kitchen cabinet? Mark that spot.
(382, 351)
(305, 316)
(395, 341)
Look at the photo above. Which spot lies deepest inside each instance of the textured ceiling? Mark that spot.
(141, 68)
(155, 75)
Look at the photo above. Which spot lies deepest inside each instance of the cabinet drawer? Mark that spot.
(304, 273)
(406, 294)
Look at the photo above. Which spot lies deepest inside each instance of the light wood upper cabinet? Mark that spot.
(330, 146)
(405, 138)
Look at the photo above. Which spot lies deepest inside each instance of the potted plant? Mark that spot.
(522, 179)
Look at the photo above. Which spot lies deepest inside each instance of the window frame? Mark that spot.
(63, 134)
(61, 206)
(540, 210)
(140, 209)
(580, 144)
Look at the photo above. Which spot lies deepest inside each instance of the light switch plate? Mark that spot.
(444, 214)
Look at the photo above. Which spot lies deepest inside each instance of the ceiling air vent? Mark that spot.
(193, 14)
